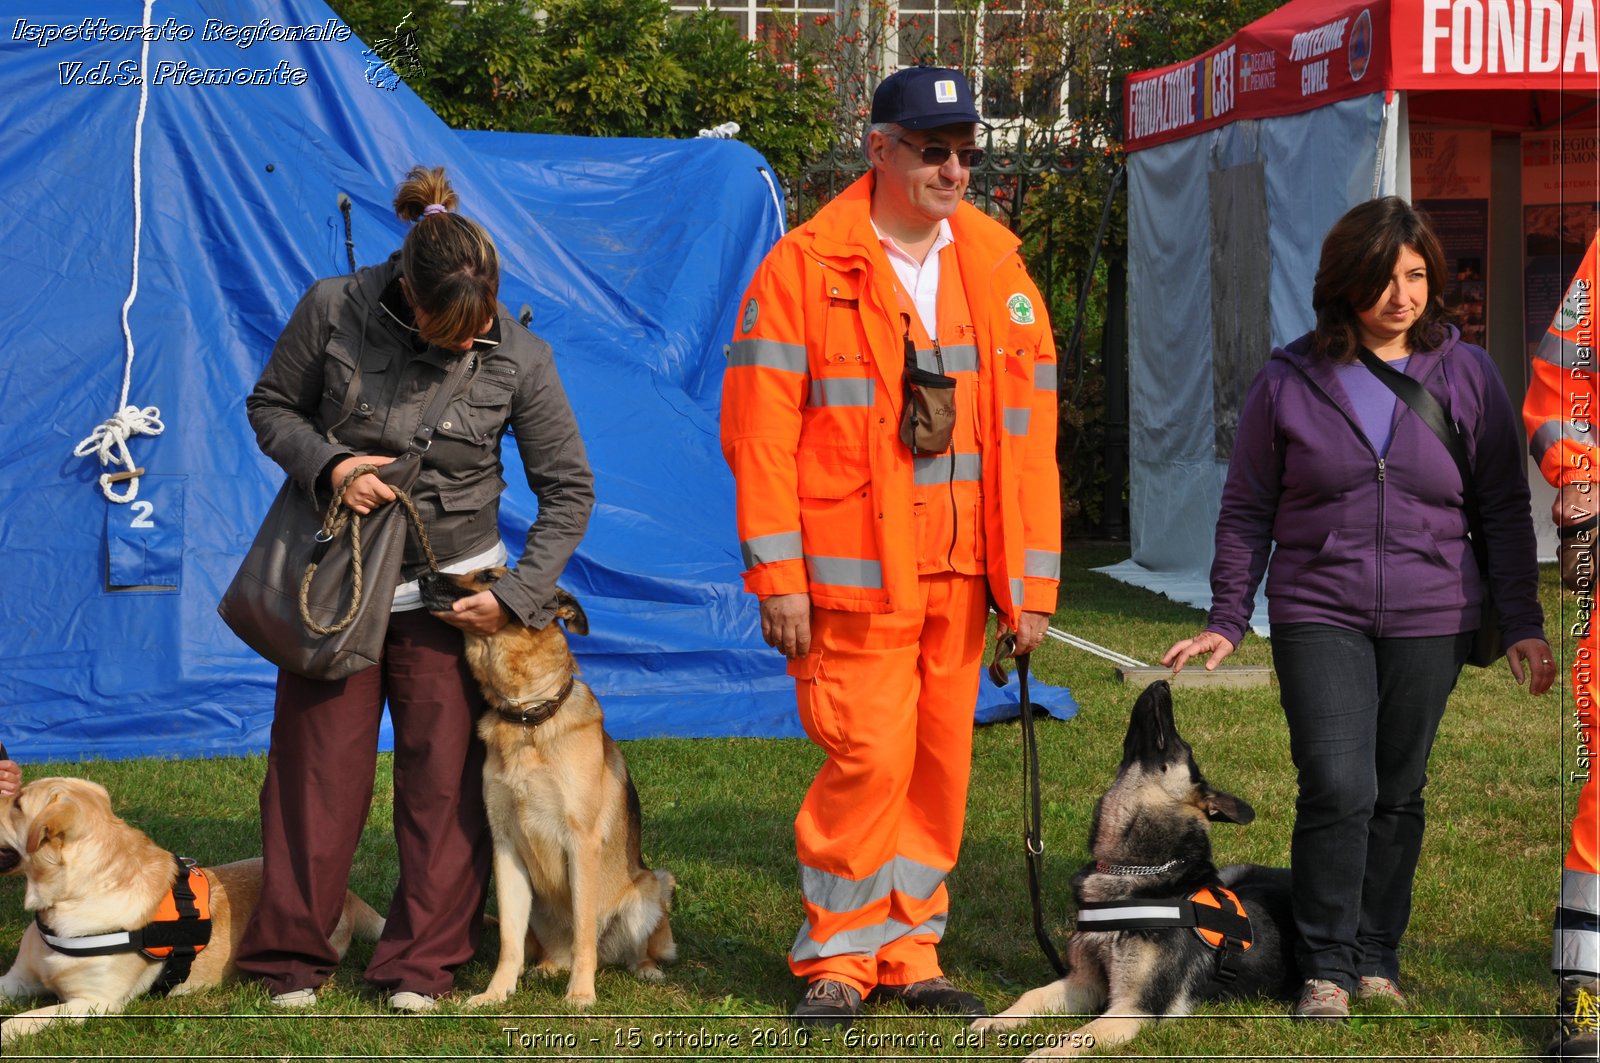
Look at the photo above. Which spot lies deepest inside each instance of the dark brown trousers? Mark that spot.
(315, 800)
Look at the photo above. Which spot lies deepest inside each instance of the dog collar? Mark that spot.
(533, 713)
(1103, 868)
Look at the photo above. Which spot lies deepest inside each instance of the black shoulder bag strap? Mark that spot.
(1424, 405)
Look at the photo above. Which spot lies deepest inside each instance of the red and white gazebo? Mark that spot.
(1484, 112)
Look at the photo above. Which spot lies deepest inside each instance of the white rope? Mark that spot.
(110, 440)
(1100, 651)
(777, 203)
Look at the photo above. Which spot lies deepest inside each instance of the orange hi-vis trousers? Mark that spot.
(889, 697)
(1577, 937)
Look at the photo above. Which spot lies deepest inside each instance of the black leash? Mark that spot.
(1032, 838)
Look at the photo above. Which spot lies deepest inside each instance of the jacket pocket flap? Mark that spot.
(825, 479)
(469, 498)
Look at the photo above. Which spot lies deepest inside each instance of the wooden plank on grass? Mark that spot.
(1238, 676)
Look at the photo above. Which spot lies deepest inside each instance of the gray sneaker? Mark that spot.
(828, 1003)
(1323, 1001)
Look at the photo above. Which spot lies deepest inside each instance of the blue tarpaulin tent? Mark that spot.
(187, 181)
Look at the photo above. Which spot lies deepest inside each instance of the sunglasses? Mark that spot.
(936, 155)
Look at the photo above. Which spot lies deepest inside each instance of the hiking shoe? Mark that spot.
(405, 1000)
(294, 998)
(1374, 988)
(828, 1003)
(1323, 1001)
(932, 994)
(1580, 1020)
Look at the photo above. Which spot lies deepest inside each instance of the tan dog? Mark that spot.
(569, 875)
(88, 874)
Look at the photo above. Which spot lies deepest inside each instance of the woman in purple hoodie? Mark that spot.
(1373, 588)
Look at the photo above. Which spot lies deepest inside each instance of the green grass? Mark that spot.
(718, 813)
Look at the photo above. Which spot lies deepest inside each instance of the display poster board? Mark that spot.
(1450, 171)
(1560, 212)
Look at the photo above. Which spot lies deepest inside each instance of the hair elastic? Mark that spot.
(435, 208)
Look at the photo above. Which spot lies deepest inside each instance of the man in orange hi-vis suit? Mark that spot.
(1560, 413)
(880, 509)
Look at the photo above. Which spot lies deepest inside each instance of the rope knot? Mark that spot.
(109, 442)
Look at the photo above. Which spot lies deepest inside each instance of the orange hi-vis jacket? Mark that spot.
(1559, 409)
(1559, 412)
(811, 406)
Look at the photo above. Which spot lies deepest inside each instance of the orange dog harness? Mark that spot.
(180, 930)
(1213, 912)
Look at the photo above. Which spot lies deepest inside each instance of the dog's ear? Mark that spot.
(51, 823)
(1227, 808)
(568, 609)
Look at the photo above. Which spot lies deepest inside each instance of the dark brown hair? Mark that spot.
(448, 260)
(1358, 259)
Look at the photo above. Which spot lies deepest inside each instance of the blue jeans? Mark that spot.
(1362, 716)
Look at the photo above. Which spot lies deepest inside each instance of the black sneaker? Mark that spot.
(932, 994)
(1580, 1020)
(828, 1003)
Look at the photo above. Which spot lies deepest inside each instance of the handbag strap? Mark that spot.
(1424, 405)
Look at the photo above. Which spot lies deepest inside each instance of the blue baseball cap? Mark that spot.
(924, 97)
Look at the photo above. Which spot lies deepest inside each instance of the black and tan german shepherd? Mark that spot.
(1160, 927)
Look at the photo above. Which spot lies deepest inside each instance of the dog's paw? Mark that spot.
(998, 1022)
(484, 999)
(580, 999)
(549, 968)
(648, 972)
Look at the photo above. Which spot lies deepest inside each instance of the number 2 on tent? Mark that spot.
(142, 511)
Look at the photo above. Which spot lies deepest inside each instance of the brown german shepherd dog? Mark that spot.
(569, 875)
(1151, 843)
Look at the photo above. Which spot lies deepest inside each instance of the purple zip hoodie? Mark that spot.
(1376, 545)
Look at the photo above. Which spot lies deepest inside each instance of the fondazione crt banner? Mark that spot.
(1313, 52)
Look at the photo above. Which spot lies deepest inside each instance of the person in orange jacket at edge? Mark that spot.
(879, 510)
(1559, 414)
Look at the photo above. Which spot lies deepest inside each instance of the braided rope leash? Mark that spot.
(339, 518)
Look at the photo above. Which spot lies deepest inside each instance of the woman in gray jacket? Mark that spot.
(345, 386)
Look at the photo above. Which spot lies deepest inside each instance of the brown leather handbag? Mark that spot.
(314, 591)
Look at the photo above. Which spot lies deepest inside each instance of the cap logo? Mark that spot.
(944, 91)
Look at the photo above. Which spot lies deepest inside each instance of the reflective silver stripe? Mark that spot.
(1577, 951)
(93, 941)
(765, 549)
(1550, 433)
(835, 893)
(959, 358)
(1580, 891)
(842, 391)
(844, 571)
(1088, 916)
(1041, 563)
(1044, 376)
(1016, 420)
(862, 941)
(1016, 592)
(1558, 350)
(768, 354)
(968, 468)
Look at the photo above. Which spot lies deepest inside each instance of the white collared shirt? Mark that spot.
(920, 279)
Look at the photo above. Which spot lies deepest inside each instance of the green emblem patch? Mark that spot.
(1021, 308)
